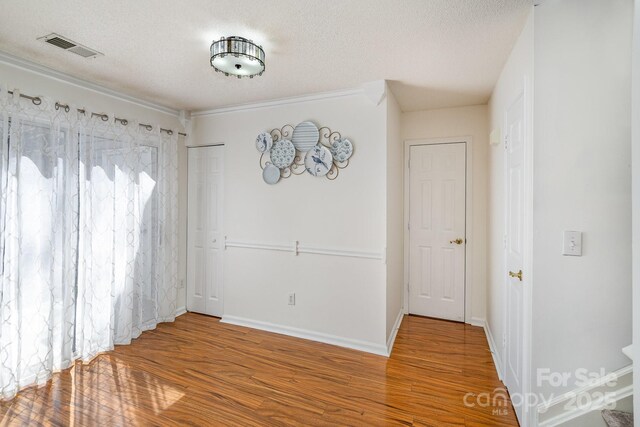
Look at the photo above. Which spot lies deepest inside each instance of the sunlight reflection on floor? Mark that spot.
(106, 389)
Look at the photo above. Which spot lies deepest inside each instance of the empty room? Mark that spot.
(319, 213)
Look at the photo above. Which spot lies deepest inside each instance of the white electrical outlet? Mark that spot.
(292, 299)
(181, 283)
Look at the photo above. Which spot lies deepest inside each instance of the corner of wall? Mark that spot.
(635, 197)
(394, 218)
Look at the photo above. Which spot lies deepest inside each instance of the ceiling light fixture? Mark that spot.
(237, 56)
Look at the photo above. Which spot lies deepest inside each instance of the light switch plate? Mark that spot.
(494, 137)
(572, 243)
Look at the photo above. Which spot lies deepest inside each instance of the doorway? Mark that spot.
(204, 231)
(436, 227)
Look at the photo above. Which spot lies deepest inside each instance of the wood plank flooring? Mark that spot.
(198, 371)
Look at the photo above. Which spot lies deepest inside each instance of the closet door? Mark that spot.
(204, 237)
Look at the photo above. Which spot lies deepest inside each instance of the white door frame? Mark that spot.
(529, 416)
(527, 261)
(468, 279)
(222, 222)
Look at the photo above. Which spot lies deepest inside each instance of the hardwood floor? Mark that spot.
(198, 371)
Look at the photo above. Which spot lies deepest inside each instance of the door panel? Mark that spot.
(425, 275)
(437, 215)
(204, 254)
(514, 345)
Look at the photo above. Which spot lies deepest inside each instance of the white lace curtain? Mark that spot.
(88, 236)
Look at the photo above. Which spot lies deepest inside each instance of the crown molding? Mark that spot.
(42, 70)
(376, 91)
(277, 102)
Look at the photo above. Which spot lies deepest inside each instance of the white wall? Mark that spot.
(517, 70)
(594, 418)
(452, 122)
(582, 181)
(635, 143)
(36, 83)
(395, 214)
(337, 296)
(31, 81)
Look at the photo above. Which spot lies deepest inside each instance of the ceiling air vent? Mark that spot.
(60, 42)
(68, 45)
(83, 51)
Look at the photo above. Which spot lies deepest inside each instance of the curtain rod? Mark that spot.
(36, 100)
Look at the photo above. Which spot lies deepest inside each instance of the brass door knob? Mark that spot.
(457, 241)
(518, 274)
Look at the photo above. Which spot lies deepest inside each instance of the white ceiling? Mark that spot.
(435, 53)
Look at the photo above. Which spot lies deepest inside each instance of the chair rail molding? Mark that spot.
(296, 248)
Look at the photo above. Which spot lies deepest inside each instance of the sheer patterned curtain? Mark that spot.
(88, 211)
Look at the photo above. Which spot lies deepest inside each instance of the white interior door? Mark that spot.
(204, 252)
(514, 161)
(437, 212)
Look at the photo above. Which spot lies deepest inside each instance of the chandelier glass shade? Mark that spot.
(237, 56)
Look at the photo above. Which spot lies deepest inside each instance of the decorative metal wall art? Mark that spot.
(293, 150)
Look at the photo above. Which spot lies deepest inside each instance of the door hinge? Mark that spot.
(506, 141)
(408, 226)
(409, 163)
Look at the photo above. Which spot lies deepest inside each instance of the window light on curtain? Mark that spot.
(88, 236)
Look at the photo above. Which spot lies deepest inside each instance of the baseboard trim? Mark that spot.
(554, 412)
(477, 321)
(493, 348)
(394, 331)
(365, 346)
(180, 311)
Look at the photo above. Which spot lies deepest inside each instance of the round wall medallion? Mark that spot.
(271, 174)
(342, 149)
(305, 136)
(282, 153)
(264, 142)
(318, 161)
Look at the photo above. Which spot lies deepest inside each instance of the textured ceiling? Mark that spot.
(435, 53)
